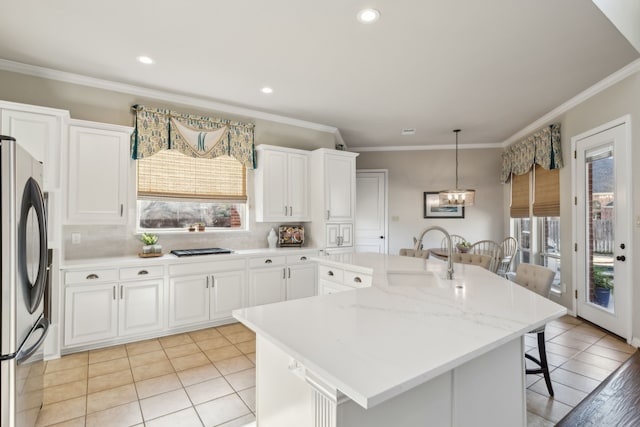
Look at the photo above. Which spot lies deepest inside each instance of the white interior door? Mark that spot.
(603, 229)
(371, 211)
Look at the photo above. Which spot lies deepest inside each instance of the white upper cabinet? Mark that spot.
(340, 200)
(38, 130)
(98, 167)
(282, 184)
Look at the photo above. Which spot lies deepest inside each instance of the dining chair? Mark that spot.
(488, 247)
(455, 239)
(509, 251)
(537, 279)
(483, 261)
(414, 253)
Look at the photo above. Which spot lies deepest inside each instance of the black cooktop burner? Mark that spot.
(205, 251)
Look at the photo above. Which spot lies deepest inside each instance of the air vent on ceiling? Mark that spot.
(408, 131)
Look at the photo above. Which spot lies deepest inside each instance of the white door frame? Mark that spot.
(627, 182)
(385, 172)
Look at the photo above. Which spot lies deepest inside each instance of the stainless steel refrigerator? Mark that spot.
(24, 270)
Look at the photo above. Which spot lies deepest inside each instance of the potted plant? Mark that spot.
(603, 287)
(149, 240)
(464, 246)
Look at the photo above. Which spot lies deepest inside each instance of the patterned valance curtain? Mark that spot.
(542, 148)
(158, 129)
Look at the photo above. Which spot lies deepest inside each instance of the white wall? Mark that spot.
(411, 173)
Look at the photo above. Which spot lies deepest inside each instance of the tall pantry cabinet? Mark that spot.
(333, 201)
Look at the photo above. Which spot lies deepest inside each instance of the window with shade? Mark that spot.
(178, 192)
(535, 213)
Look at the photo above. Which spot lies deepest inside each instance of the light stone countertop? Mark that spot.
(412, 325)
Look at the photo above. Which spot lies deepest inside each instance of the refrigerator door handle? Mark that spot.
(24, 354)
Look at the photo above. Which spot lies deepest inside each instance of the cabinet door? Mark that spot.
(98, 175)
(326, 287)
(339, 187)
(346, 234)
(274, 186)
(227, 293)
(298, 186)
(91, 313)
(301, 281)
(188, 300)
(267, 285)
(141, 307)
(332, 234)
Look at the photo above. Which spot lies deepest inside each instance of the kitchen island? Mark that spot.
(414, 349)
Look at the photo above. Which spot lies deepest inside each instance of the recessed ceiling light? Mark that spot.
(368, 16)
(266, 89)
(145, 60)
(408, 131)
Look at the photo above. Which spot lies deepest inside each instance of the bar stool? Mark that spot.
(537, 279)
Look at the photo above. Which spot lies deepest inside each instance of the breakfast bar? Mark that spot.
(412, 349)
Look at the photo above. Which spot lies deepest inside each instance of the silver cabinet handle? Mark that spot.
(284, 273)
(114, 292)
(285, 210)
(142, 272)
(289, 272)
(303, 258)
(267, 261)
(330, 273)
(92, 276)
(357, 279)
(290, 210)
(121, 292)
(213, 282)
(207, 282)
(328, 214)
(121, 208)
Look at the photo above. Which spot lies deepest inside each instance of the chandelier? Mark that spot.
(457, 197)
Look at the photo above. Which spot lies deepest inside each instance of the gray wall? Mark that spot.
(411, 173)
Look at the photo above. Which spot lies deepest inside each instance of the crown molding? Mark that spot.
(66, 77)
(426, 147)
(603, 84)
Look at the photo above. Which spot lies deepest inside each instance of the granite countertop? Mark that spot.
(412, 325)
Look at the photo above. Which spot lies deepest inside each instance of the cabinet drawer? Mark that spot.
(357, 280)
(330, 273)
(326, 287)
(141, 272)
(206, 267)
(267, 261)
(91, 276)
(299, 259)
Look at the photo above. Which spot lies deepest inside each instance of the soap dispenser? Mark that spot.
(272, 238)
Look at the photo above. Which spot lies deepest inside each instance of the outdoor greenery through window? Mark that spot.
(176, 192)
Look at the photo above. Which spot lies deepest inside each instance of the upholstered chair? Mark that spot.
(414, 253)
(537, 279)
(483, 261)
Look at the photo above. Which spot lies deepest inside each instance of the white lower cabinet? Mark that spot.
(280, 278)
(98, 312)
(339, 235)
(301, 277)
(332, 279)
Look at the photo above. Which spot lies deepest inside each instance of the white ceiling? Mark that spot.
(489, 67)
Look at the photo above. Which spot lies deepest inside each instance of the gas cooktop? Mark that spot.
(205, 251)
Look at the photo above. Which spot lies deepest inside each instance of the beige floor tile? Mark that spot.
(562, 393)
(124, 415)
(591, 371)
(64, 391)
(152, 370)
(242, 380)
(75, 360)
(163, 404)
(248, 396)
(616, 344)
(247, 347)
(103, 368)
(573, 380)
(175, 340)
(106, 399)
(143, 347)
(208, 390)
(222, 353)
(235, 364)
(248, 420)
(561, 350)
(110, 353)
(197, 375)
(213, 343)
(579, 336)
(241, 337)
(147, 358)
(599, 361)
(252, 357)
(158, 385)
(221, 410)
(546, 407)
(66, 376)
(184, 418)
(609, 353)
(534, 420)
(204, 334)
(587, 329)
(232, 328)
(190, 361)
(182, 350)
(62, 411)
(112, 380)
(76, 422)
(566, 340)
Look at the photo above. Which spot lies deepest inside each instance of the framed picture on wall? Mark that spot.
(432, 208)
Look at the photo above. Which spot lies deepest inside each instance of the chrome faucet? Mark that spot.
(449, 247)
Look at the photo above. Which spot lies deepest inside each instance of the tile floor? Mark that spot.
(207, 377)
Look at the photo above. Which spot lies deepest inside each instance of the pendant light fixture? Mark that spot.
(457, 197)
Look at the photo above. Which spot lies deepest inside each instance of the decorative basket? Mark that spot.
(463, 249)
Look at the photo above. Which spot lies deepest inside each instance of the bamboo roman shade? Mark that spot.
(171, 175)
(520, 196)
(546, 196)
